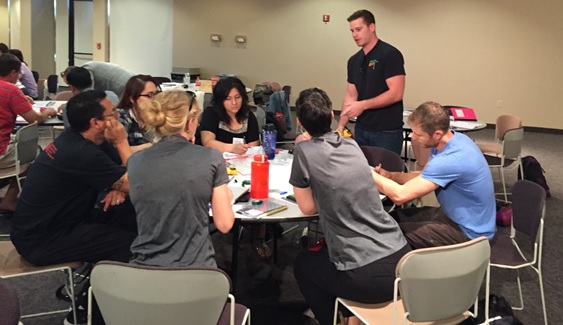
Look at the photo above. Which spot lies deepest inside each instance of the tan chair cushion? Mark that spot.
(495, 148)
(11, 263)
(383, 313)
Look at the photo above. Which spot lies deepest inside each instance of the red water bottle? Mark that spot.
(259, 177)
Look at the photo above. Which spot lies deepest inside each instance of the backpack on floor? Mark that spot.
(504, 215)
(500, 313)
(534, 172)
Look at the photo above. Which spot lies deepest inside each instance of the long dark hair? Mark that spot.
(221, 92)
(133, 90)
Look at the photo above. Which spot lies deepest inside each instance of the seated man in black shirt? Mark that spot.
(56, 220)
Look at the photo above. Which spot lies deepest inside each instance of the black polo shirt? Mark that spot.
(369, 74)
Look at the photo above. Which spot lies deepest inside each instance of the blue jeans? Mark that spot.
(391, 139)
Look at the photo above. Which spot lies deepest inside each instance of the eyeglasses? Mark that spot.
(113, 113)
(150, 95)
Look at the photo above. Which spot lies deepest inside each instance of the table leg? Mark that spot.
(275, 242)
(234, 260)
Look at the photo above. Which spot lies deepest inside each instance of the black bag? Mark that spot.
(271, 118)
(500, 313)
(534, 172)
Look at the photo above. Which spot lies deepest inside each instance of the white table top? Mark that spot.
(40, 105)
(460, 126)
(280, 170)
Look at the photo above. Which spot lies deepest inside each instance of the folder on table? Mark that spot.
(463, 114)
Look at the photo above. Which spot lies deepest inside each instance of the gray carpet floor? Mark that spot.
(272, 294)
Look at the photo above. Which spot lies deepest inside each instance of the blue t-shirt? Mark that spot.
(466, 191)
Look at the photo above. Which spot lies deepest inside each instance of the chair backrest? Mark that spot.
(41, 89)
(528, 207)
(162, 80)
(420, 153)
(64, 95)
(134, 294)
(27, 142)
(260, 116)
(9, 304)
(512, 143)
(52, 83)
(389, 160)
(506, 123)
(35, 75)
(442, 282)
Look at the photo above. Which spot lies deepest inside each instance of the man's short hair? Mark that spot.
(9, 63)
(431, 117)
(4, 48)
(314, 111)
(366, 15)
(84, 106)
(79, 78)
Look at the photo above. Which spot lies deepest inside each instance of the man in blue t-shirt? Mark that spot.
(460, 177)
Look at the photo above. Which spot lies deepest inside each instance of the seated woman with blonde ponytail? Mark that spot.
(172, 184)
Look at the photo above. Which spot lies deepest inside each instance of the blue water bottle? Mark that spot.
(269, 135)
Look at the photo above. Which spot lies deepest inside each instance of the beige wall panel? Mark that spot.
(43, 37)
(4, 23)
(467, 52)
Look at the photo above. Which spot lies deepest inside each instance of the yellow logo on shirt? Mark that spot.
(372, 64)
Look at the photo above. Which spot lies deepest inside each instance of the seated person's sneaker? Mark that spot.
(81, 317)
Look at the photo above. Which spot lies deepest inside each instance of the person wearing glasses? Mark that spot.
(173, 207)
(57, 219)
(138, 89)
(376, 83)
(108, 76)
(78, 79)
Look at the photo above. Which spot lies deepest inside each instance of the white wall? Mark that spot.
(141, 35)
(83, 14)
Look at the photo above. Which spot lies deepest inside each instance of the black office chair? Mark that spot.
(52, 85)
(35, 75)
(162, 80)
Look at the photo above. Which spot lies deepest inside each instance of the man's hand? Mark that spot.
(352, 109)
(115, 131)
(305, 136)
(114, 197)
(50, 112)
(382, 172)
(29, 99)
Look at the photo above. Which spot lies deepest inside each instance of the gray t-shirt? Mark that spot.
(357, 230)
(170, 185)
(108, 76)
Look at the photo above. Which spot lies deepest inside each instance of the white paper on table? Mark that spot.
(465, 125)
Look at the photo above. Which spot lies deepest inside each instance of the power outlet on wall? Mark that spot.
(499, 103)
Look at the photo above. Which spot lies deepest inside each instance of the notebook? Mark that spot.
(265, 208)
(463, 114)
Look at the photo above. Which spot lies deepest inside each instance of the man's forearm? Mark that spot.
(402, 178)
(121, 184)
(124, 150)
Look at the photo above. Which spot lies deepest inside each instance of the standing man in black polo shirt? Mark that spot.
(376, 83)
